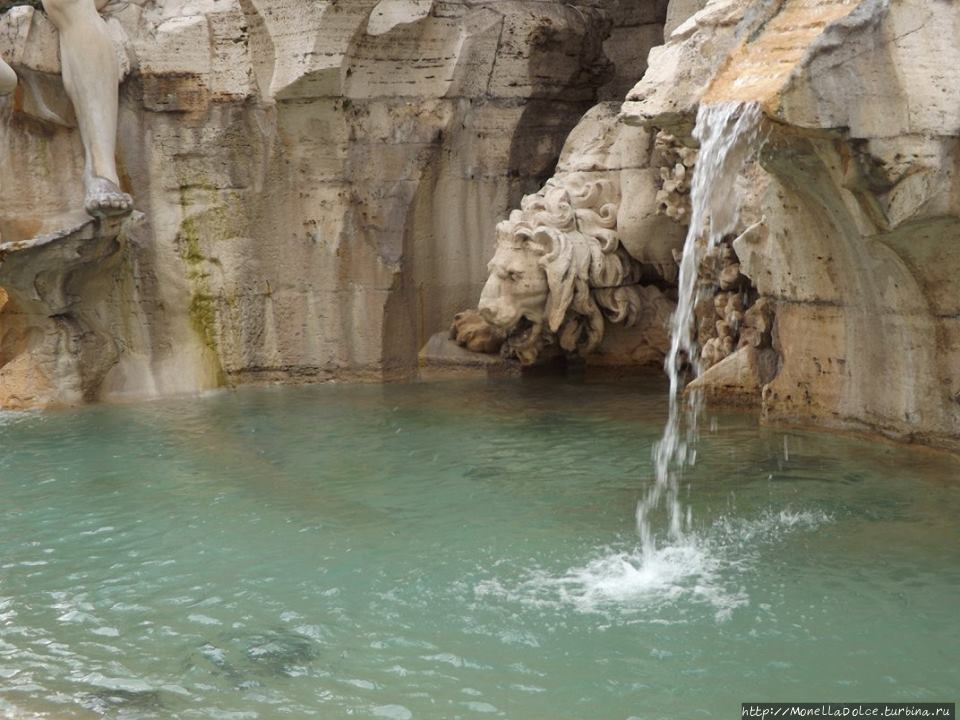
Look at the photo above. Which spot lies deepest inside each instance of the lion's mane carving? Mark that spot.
(559, 270)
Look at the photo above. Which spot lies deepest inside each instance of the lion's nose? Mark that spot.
(487, 310)
(489, 297)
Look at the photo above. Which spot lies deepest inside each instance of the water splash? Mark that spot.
(707, 570)
(727, 134)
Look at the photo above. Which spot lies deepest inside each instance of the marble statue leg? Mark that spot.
(8, 78)
(91, 75)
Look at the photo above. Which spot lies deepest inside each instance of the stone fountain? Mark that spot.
(321, 188)
(832, 298)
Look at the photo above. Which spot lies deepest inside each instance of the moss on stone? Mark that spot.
(216, 219)
(203, 317)
(190, 242)
(202, 309)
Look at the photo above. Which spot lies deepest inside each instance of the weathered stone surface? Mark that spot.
(678, 12)
(442, 354)
(681, 69)
(853, 208)
(646, 342)
(320, 180)
(57, 340)
(638, 27)
(739, 378)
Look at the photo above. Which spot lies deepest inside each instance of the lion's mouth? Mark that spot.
(523, 328)
(524, 341)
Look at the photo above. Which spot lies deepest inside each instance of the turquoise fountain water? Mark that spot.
(459, 550)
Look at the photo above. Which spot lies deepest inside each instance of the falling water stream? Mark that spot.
(727, 134)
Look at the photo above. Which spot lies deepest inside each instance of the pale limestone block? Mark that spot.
(411, 60)
(388, 14)
(29, 41)
(178, 45)
(680, 71)
(230, 62)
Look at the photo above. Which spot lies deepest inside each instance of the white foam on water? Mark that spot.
(8, 417)
(617, 580)
(769, 527)
(704, 569)
(691, 571)
(807, 518)
(684, 571)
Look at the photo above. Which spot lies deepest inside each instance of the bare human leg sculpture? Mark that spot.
(91, 75)
(8, 79)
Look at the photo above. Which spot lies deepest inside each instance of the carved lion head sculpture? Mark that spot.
(559, 269)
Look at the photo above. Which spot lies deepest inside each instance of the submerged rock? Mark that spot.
(245, 658)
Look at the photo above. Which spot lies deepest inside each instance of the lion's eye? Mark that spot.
(514, 276)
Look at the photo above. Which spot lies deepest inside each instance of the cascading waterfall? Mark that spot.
(727, 134)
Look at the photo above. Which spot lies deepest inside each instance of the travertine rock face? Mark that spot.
(319, 180)
(638, 26)
(856, 256)
(60, 329)
(668, 94)
(321, 183)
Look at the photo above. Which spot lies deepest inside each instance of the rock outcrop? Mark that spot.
(319, 181)
(60, 328)
(856, 256)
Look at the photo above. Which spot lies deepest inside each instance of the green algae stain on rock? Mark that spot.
(212, 219)
(203, 317)
(190, 248)
(203, 314)
(202, 308)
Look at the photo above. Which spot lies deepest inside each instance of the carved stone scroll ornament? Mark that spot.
(559, 272)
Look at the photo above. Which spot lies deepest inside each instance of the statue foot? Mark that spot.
(104, 199)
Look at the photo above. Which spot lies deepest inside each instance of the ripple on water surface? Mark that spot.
(458, 550)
